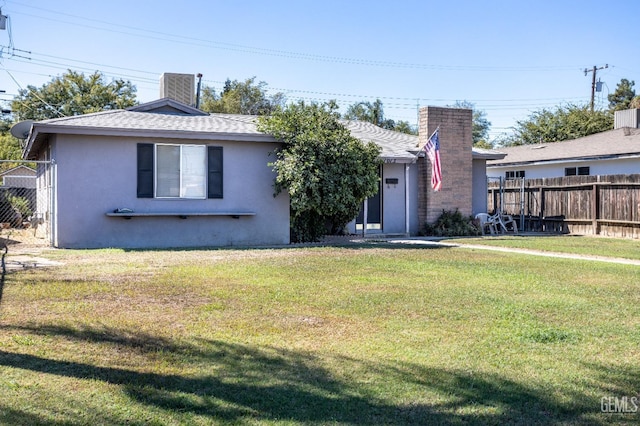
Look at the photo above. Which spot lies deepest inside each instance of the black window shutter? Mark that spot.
(145, 170)
(214, 172)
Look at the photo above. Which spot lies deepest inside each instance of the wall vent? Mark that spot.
(179, 87)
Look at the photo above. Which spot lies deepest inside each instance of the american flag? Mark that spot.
(432, 148)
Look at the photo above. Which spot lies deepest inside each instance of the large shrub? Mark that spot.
(326, 172)
(452, 224)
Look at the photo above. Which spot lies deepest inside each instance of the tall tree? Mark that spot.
(241, 97)
(481, 125)
(562, 123)
(327, 172)
(623, 95)
(72, 93)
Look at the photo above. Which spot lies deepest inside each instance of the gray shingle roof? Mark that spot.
(612, 143)
(394, 145)
(178, 121)
(132, 120)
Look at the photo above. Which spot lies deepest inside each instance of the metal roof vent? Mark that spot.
(179, 87)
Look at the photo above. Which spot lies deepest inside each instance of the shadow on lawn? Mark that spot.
(250, 383)
(358, 244)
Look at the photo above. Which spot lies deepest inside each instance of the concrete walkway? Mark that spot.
(22, 261)
(440, 243)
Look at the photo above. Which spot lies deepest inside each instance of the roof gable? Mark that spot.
(20, 170)
(166, 106)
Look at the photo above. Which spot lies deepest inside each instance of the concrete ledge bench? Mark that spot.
(181, 215)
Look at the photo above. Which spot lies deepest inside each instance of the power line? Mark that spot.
(342, 98)
(288, 92)
(175, 38)
(56, 110)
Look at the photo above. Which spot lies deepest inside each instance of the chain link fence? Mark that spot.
(24, 202)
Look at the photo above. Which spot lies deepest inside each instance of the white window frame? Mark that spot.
(182, 189)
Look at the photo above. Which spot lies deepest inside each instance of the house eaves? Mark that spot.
(487, 154)
(122, 123)
(565, 160)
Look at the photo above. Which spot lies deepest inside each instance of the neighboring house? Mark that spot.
(607, 153)
(164, 174)
(17, 182)
(19, 177)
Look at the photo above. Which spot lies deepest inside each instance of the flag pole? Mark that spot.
(432, 150)
(422, 147)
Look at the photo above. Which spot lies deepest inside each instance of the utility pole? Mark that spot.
(593, 81)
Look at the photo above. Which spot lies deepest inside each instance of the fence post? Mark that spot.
(594, 208)
(542, 201)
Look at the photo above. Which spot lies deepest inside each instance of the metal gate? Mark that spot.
(499, 202)
(26, 202)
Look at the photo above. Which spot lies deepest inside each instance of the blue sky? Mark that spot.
(510, 58)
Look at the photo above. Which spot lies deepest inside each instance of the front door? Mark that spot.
(374, 212)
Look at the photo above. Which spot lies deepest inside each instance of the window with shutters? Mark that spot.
(179, 171)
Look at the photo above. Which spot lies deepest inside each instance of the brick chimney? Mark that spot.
(456, 141)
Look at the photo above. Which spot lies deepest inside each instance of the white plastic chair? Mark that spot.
(508, 224)
(487, 222)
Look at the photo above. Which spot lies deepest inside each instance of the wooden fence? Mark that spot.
(588, 205)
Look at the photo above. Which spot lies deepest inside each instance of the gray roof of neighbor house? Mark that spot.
(166, 118)
(21, 170)
(623, 142)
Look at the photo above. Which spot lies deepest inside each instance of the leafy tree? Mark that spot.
(563, 123)
(374, 113)
(10, 148)
(72, 93)
(327, 172)
(481, 125)
(623, 95)
(241, 97)
(635, 102)
(371, 112)
(404, 127)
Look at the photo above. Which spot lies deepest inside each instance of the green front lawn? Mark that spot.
(327, 335)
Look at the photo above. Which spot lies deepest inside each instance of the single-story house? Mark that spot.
(165, 174)
(161, 174)
(611, 152)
